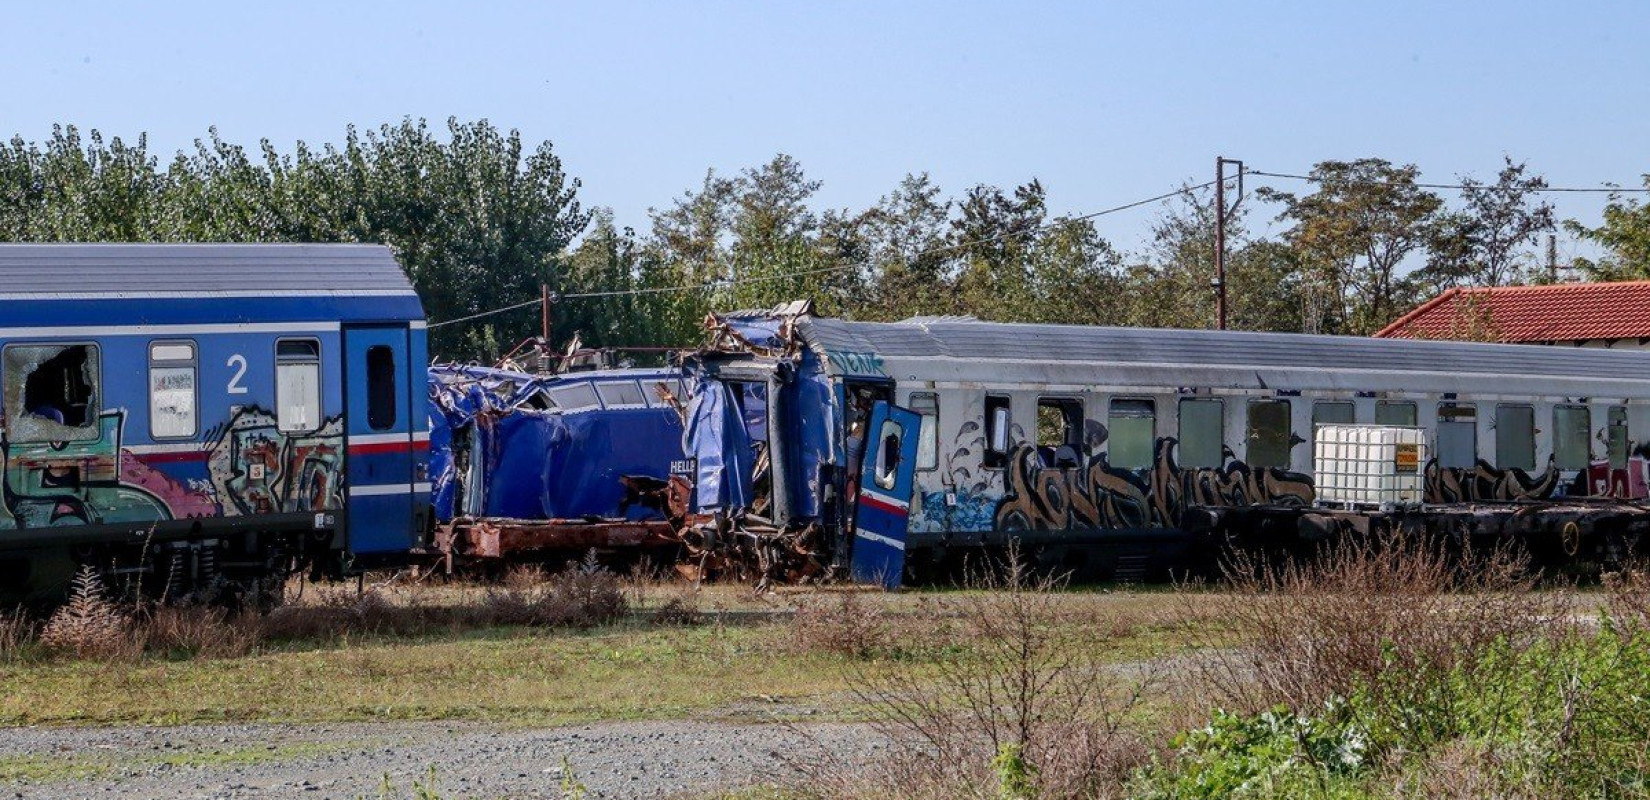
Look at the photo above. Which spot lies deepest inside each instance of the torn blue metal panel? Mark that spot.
(753, 407)
(813, 422)
(761, 332)
(716, 437)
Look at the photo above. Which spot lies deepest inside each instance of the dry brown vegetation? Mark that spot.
(1323, 627)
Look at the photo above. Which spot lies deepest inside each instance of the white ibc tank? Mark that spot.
(1369, 465)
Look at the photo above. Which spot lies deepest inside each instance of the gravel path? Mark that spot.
(611, 760)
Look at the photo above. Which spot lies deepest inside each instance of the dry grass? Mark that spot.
(1019, 702)
(1628, 595)
(17, 636)
(1320, 628)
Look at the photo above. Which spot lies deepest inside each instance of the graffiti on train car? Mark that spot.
(1484, 482)
(245, 466)
(1098, 495)
(261, 470)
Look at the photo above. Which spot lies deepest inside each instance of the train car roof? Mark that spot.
(964, 349)
(205, 282)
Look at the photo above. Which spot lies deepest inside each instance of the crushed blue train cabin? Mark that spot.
(541, 463)
(195, 414)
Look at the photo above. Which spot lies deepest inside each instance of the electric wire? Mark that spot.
(1459, 186)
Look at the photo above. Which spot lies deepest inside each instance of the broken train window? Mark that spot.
(51, 392)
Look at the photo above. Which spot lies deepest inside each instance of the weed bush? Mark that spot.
(1317, 629)
(90, 625)
(1018, 703)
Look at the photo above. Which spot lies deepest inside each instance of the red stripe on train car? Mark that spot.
(388, 447)
(172, 457)
(886, 505)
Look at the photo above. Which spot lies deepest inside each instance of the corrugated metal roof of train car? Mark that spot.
(75, 271)
(1074, 344)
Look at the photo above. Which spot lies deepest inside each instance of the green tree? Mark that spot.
(1480, 243)
(1625, 237)
(904, 244)
(478, 220)
(1352, 237)
(992, 236)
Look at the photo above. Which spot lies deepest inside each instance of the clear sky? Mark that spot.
(1105, 102)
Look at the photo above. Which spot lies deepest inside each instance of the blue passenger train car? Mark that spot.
(191, 418)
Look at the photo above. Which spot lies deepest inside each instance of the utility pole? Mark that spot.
(1552, 258)
(544, 366)
(1220, 233)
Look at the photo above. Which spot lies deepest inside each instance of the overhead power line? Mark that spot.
(724, 283)
(1574, 190)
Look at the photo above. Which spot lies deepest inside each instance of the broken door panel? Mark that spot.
(883, 506)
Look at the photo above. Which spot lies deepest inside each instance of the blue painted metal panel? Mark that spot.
(236, 463)
(380, 459)
(884, 503)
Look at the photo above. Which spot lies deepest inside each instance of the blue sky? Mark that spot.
(1104, 102)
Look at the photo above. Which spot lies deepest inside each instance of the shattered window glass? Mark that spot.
(51, 392)
(1270, 438)
(172, 391)
(297, 385)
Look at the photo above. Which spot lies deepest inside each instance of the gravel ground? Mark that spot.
(611, 760)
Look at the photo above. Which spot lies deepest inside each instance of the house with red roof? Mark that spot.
(1576, 314)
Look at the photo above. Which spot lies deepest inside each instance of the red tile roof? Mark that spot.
(1559, 313)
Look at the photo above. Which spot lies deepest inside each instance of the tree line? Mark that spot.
(480, 219)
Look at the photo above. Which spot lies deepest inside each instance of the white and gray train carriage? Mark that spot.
(881, 444)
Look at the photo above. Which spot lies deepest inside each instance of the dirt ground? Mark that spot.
(460, 760)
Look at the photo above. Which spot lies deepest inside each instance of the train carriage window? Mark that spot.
(1202, 432)
(1572, 426)
(1616, 437)
(380, 387)
(1131, 433)
(52, 392)
(1270, 438)
(997, 423)
(928, 442)
(1515, 437)
(1060, 431)
(1395, 412)
(574, 396)
(620, 393)
(1333, 412)
(173, 392)
(1457, 436)
(297, 385)
(889, 440)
